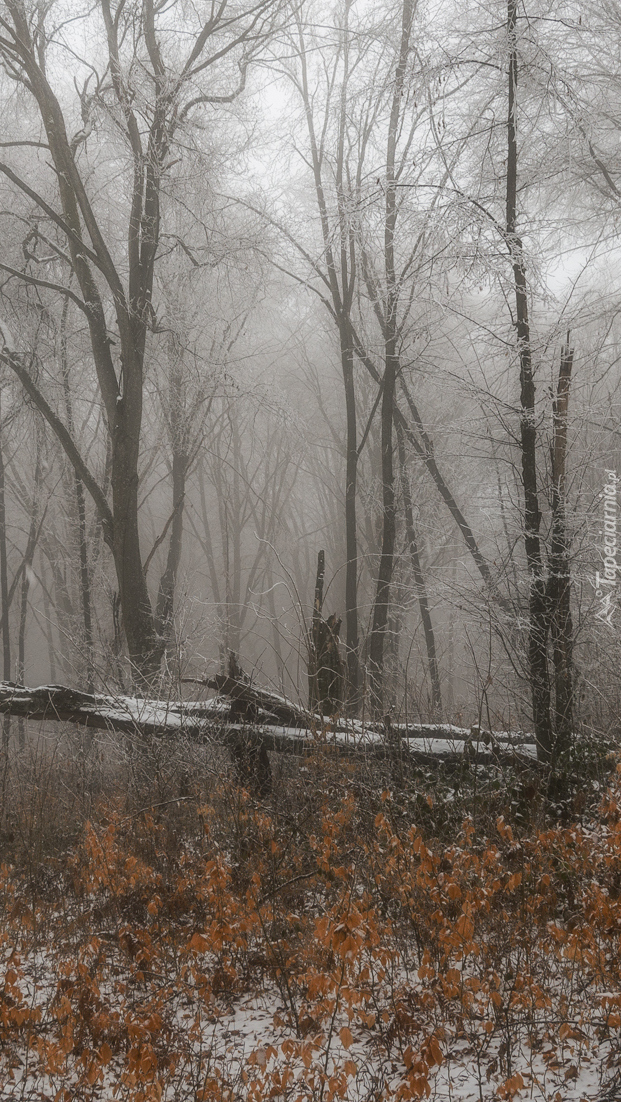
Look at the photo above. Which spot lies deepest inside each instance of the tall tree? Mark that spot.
(329, 148)
(517, 204)
(142, 77)
(538, 600)
(391, 363)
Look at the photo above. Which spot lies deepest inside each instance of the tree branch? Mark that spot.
(11, 145)
(51, 213)
(45, 283)
(9, 357)
(162, 536)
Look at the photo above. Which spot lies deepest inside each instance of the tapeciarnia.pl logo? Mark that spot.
(605, 583)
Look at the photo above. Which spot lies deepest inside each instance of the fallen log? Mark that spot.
(130, 715)
(282, 725)
(261, 705)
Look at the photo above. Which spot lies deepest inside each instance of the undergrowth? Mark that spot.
(387, 931)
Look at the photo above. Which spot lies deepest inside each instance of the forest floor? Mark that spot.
(166, 936)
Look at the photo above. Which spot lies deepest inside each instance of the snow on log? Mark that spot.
(243, 712)
(132, 715)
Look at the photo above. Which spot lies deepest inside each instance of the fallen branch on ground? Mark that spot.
(244, 714)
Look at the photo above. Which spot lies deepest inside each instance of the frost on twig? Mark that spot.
(8, 344)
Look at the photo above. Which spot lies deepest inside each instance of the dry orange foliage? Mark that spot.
(387, 951)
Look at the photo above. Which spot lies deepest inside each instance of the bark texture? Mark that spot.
(325, 668)
(559, 584)
(339, 245)
(391, 365)
(538, 620)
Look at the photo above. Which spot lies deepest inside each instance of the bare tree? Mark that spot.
(391, 364)
(246, 476)
(149, 85)
(537, 604)
(339, 274)
(368, 150)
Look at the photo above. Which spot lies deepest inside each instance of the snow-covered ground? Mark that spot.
(249, 1050)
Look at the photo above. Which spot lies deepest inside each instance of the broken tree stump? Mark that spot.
(325, 666)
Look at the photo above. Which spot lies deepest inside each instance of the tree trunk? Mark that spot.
(28, 560)
(276, 628)
(539, 673)
(559, 584)
(47, 610)
(179, 429)
(4, 592)
(206, 543)
(391, 363)
(419, 580)
(386, 563)
(325, 669)
(351, 531)
(62, 601)
(168, 582)
(143, 645)
(235, 609)
(313, 691)
(341, 279)
(117, 301)
(424, 448)
(85, 585)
